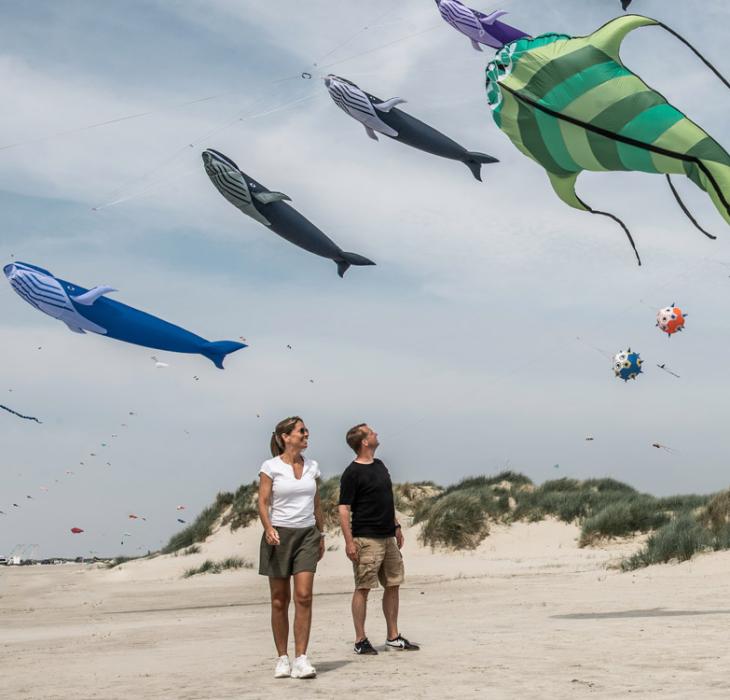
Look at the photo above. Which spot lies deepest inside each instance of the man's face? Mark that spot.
(371, 438)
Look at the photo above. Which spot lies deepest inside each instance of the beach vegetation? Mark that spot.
(215, 567)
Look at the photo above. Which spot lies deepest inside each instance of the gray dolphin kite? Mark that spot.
(270, 209)
(381, 116)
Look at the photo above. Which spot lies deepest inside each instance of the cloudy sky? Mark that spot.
(479, 340)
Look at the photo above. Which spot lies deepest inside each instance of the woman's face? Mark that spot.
(298, 438)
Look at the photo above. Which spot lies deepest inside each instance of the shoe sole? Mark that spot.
(282, 675)
(304, 675)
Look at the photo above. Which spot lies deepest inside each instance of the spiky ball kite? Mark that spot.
(670, 319)
(627, 364)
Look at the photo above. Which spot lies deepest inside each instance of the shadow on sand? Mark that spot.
(327, 666)
(651, 612)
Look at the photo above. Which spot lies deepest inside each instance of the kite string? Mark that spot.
(179, 152)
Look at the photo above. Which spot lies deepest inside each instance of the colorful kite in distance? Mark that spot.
(76, 530)
(670, 320)
(627, 364)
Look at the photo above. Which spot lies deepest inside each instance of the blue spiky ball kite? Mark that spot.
(627, 364)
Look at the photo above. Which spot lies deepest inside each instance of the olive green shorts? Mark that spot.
(379, 560)
(298, 551)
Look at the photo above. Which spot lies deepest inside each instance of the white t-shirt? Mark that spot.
(292, 499)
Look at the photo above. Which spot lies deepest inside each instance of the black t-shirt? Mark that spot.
(367, 489)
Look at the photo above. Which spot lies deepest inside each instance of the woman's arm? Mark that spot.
(266, 484)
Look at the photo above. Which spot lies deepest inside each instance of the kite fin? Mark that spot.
(492, 17)
(216, 352)
(88, 298)
(608, 38)
(389, 104)
(371, 133)
(347, 259)
(75, 329)
(475, 45)
(474, 162)
(270, 197)
(686, 211)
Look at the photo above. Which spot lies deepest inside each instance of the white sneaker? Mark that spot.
(302, 668)
(283, 669)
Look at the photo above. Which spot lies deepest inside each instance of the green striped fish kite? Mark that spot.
(571, 105)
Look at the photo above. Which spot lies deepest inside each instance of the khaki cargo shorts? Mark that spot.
(379, 560)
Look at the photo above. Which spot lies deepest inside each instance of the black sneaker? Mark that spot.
(401, 644)
(365, 647)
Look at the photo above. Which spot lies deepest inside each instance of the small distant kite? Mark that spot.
(659, 446)
(669, 371)
(180, 520)
(589, 438)
(179, 507)
(15, 505)
(627, 364)
(76, 530)
(43, 488)
(158, 364)
(670, 320)
(20, 415)
(29, 497)
(132, 516)
(478, 27)
(625, 4)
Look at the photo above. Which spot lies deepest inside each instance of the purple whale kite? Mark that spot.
(480, 28)
(85, 310)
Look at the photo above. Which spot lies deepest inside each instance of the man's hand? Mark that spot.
(352, 551)
(399, 537)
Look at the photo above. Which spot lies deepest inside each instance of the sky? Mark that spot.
(480, 341)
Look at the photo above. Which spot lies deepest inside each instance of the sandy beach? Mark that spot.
(526, 615)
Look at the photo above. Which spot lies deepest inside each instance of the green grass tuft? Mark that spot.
(215, 567)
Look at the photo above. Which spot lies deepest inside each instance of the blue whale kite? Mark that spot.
(88, 310)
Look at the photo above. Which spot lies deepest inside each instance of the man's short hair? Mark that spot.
(355, 436)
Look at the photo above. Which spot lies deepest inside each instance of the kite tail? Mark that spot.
(347, 259)
(216, 352)
(474, 162)
(685, 210)
(618, 221)
(564, 186)
(695, 51)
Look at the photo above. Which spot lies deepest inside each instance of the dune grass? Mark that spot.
(215, 567)
(702, 525)
(201, 528)
(244, 506)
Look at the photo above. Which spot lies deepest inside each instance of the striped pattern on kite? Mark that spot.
(571, 105)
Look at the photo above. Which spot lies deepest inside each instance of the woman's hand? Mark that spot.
(321, 548)
(272, 536)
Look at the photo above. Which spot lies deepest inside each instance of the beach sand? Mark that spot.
(526, 615)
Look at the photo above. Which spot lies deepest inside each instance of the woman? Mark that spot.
(293, 540)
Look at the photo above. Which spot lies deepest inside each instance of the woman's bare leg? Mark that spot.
(303, 584)
(280, 597)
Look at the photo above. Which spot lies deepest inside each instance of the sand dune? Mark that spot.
(526, 615)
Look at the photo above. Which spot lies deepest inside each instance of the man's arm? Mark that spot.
(350, 546)
(398, 533)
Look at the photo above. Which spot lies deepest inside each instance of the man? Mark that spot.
(373, 539)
